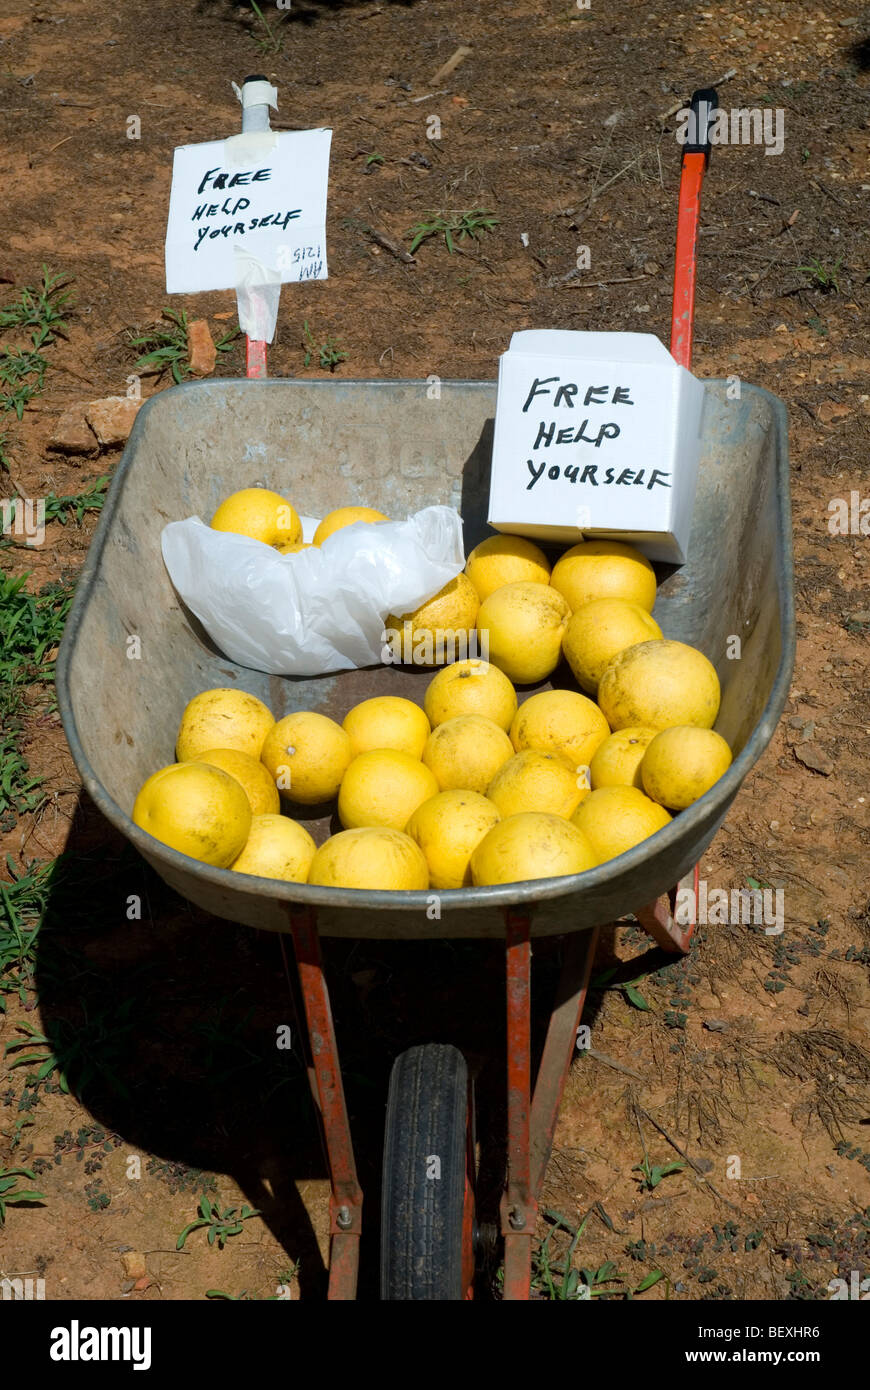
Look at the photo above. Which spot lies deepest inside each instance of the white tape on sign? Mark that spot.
(257, 94)
(240, 150)
(258, 292)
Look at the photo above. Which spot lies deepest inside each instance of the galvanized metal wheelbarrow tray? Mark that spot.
(388, 445)
(398, 446)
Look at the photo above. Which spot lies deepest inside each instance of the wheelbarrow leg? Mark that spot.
(658, 920)
(345, 1206)
(519, 1209)
(560, 1047)
(532, 1120)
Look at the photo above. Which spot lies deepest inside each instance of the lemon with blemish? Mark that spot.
(223, 718)
(370, 857)
(276, 847)
(682, 763)
(197, 809)
(521, 628)
(531, 845)
(448, 828)
(470, 687)
(307, 755)
(501, 560)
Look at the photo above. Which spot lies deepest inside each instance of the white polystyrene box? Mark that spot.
(596, 435)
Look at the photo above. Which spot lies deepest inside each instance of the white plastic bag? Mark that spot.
(316, 610)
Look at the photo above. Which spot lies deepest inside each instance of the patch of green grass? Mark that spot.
(823, 276)
(22, 903)
(62, 509)
(220, 1225)
(453, 227)
(75, 504)
(166, 346)
(11, 1194)
(627, 987)
(30, 629)
(41, 310)
(82, 1052)
(328, 353)
(652, 1174)
(40, 313)
(268, 41)
(558, 1280)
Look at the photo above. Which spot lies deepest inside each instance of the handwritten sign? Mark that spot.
(596, 434)
(260, 195)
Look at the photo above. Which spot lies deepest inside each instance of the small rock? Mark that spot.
(716, 1025)
(127, 1285)
(651, 268)
(861, 617)
(814, 759)
(112, 418)
(73, 434)
(133, 1263)
(201, 350)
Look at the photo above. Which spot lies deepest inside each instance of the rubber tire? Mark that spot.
(422, 1217)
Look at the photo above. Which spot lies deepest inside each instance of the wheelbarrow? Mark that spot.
(388, 444)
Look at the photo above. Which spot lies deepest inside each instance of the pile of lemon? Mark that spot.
(474, 788)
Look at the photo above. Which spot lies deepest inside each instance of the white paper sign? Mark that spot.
(595, 434)
(259, 195)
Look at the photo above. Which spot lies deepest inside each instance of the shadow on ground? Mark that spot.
(166, 1026)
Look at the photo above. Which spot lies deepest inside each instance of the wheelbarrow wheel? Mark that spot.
(427, 1221)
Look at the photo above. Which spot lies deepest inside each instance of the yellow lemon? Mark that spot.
(197, 809)
(533, 781)
(470, 687)
(387, 721)
(307, 754)
(598, 631)
(615, 819)
(223, 719)
(503, 560)
(522, 626)
(440, 630)
(616, 762)
(448, 828)
(383, 787)
(467, 752)
(258, 785)
(561, 722)
(293, 547)
(344, 516)
(370, 858)
(605, 569)
(258, 512)
(682, 763)
(659, 684)
(277, 847)
(531, 845)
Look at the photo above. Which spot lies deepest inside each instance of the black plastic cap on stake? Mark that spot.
(257, 77)
(704, 102)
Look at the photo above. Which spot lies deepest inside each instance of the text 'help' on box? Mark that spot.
(596, 434)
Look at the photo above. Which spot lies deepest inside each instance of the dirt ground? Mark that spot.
(750, 1055)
